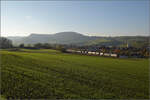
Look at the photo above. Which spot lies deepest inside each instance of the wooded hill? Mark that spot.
(79, 39)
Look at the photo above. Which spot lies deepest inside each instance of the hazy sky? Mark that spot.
(21, 18)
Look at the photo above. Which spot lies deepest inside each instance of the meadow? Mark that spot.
(50, 74)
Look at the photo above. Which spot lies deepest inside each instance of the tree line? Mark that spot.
(5, 43)
(126, 51)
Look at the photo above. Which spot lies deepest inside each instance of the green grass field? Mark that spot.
(50, 74)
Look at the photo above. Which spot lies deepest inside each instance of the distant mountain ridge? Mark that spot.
(79, 39)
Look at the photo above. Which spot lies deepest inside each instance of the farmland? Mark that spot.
(50, 74)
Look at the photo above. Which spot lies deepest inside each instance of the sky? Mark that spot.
(94, 18)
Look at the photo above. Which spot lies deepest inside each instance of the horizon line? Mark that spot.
(85, 34)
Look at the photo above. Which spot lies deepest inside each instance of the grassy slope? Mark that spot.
(51, 74)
